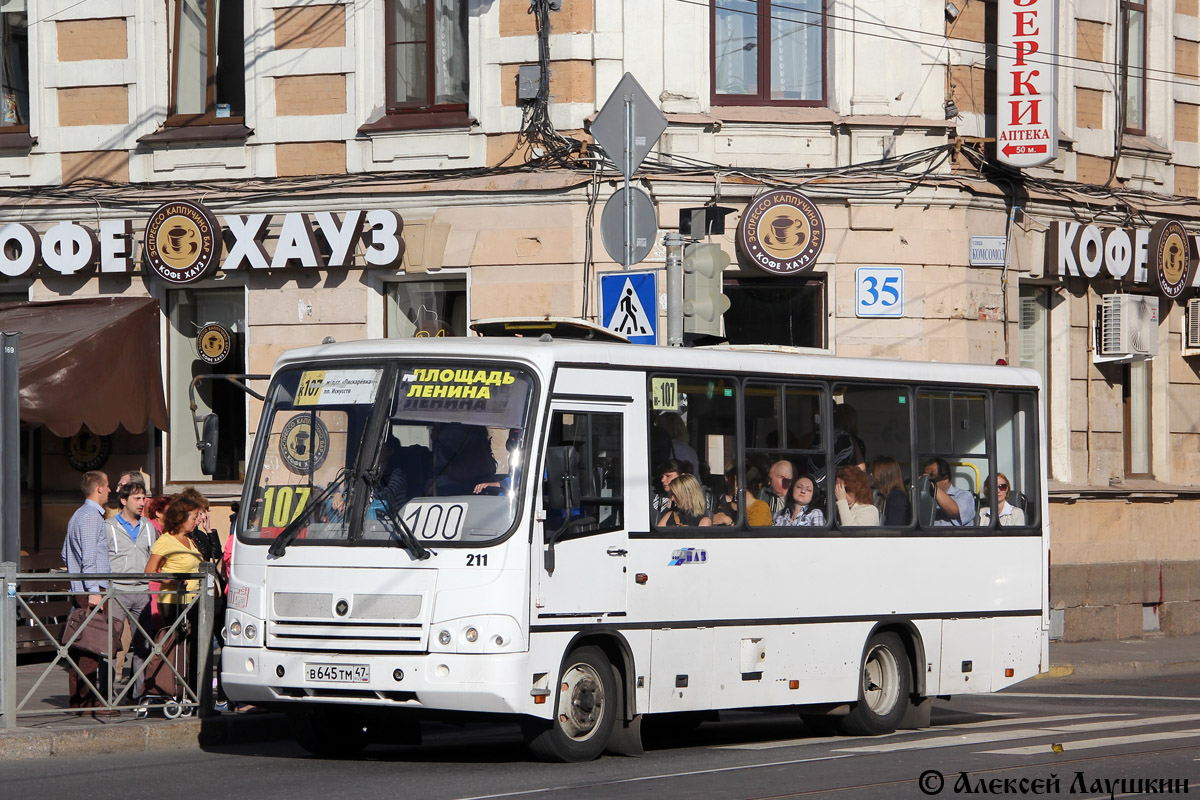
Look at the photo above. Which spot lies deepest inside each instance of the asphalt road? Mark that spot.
(1081, 737)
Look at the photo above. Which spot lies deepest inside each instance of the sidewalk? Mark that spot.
(58, 734)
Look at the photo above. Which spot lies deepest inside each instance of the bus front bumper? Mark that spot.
(492, 683)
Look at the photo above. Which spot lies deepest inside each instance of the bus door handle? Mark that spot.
(617, 551)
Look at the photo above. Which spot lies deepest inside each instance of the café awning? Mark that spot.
(90, 361)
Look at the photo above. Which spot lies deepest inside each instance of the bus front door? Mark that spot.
(584, 538)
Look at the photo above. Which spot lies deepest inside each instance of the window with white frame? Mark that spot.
(1136, 396)
(1133, 64)
(768, 52)
(14, 66)
(427, 308)
(207, 47)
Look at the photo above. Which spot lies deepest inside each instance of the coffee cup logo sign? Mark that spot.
(782, 232)
(1174, 262)
(1163, 256)
(183, 240)
(213, 343)
(304, 446)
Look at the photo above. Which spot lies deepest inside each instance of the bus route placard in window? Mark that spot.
(335, 387)
(664, 394)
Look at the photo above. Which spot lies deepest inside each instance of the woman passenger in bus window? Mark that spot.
(1005, 511)
(803, 507)
(687, 501)
(660, 498)
(758, 513)
(894, 505)
(853, 493)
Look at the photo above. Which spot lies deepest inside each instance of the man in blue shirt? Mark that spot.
(955, 506)
(86, 551)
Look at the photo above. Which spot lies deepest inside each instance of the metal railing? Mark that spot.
(19, 596)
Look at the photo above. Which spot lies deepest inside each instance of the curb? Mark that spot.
(1122, 669)
(136, 737)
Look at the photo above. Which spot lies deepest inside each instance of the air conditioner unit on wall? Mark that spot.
(1191, 328)
(1126, 327)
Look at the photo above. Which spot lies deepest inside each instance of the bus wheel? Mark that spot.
(586, 711)
(883, 690)
(328, 732)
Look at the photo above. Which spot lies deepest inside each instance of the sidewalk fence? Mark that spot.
(22, 593)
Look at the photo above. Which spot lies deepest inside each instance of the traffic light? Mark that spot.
(703, 303)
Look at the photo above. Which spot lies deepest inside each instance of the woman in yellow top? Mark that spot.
(175, 552)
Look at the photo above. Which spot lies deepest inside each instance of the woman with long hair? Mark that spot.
(893, 504)
(687, 500)
(804, 506)
(853, 493)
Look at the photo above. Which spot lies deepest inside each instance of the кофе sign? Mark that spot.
(182, 243)
(1163, 256)
(782, 232)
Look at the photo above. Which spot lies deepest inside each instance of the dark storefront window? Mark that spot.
(784, 311)
(190, 311)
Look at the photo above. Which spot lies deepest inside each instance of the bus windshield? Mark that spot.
(444, 466)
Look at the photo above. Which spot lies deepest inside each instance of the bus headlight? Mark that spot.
(235, 628)
(444, 638)
(251, 632)
(471, 635)
(494, 633)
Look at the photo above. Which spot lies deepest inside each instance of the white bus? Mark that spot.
(473, 525)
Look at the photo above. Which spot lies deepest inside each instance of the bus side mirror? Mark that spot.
(562, 478)
(208, 445)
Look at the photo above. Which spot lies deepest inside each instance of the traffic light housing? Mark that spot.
(703, 302)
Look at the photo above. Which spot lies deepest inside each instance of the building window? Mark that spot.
(207, 57)
(1136, 396)
(190, 311)
(426, 308)
(14, 65)
(1133, 65)
(781, 310)
(427, 58)
(768, 52)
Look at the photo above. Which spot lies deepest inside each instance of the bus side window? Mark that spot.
(1017, 449)
(598, 439)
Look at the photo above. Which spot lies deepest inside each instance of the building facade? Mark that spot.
(403, 167)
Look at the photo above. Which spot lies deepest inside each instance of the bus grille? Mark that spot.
(376, 623)
(346, 637)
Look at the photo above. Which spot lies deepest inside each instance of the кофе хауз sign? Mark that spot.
(182, 243)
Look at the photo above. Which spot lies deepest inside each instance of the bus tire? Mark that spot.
(884, 687)
(328, 732)
(585, 713)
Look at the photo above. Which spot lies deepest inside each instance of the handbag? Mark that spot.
(94, 637)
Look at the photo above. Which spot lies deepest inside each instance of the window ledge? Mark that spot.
(197, 133)
(391, 123)
(1144, 145)
(1133, 489)
(16, 140)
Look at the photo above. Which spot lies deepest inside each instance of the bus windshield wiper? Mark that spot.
(400, 529)
(289, 534)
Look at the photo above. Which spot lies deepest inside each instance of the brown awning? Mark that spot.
(89, 361)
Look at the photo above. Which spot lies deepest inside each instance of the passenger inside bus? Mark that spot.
(1006, 512)
(758, 513)
(853, 493)
(888, 481)
(687, 504)
(804, 505)
(660, 498)
(779, 480)
(680, 447)
(462, 458)
(955, 506)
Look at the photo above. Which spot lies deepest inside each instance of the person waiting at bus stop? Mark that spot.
(955, 506)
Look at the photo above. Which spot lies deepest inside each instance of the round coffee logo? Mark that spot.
(302, 446)
(1173, 264)
(86, 451)
(213, 343)
(182, 242)
(782, 232)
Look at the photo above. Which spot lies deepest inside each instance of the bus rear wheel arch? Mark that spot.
(586, 708)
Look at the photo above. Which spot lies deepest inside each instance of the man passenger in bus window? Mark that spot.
(955, 506)
(779, 480)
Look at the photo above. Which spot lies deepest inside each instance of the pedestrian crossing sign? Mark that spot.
(629, 305)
